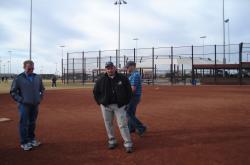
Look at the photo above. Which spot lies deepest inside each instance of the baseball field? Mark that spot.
(202, 125)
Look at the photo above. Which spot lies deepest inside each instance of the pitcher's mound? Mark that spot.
(4, 119)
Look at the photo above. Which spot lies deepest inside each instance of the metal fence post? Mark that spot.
(182, 72)
(172, 65)
(62, 71)
(215, 64)
(83, 70)
(67, 68)
(116, 58)
(134, 55)
(193, 75)
(153, 63)
(64, 75)
(124, 62)
(155, 72)
(240, 62)
(99, 62)
(73, 70)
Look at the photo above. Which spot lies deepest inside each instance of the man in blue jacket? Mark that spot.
(27, 90)
(134, 124)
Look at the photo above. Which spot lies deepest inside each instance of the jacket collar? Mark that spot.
(26, 75)
(116, 74)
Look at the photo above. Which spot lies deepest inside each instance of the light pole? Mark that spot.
(119, 3)
(8, 62)
(10, 52)
(62, 46)
(203, 37)
(31, 12)
(228, 30)
(224, 33)
(136, 48)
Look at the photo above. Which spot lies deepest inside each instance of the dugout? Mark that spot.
(226, 74)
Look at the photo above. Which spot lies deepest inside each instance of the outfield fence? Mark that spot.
(165, 65)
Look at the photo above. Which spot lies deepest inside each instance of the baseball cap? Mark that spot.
(109, 64)
(130, 63)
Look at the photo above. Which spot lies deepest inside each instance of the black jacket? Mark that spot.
(103, 90)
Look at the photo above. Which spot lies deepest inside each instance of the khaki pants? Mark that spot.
(108, 113)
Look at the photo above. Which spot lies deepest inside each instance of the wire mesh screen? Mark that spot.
(160, 65)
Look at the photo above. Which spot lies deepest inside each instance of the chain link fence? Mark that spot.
(164, 65)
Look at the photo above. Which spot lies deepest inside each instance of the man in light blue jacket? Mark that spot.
(134, 124)
(27, 90)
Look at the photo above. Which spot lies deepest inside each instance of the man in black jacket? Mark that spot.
(27, 90)
(113, 92)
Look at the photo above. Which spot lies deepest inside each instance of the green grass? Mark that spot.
(5, 87)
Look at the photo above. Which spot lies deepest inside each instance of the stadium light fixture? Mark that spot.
(119, 3)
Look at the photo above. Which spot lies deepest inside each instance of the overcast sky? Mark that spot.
(92, 25)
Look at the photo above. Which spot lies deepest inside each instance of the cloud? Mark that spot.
(93, 25)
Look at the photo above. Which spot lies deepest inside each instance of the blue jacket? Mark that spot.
(27, 91)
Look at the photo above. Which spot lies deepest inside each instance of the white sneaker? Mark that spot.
(35, 143)
(26, 147)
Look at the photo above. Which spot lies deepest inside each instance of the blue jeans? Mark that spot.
(27, 123)
(133, 122)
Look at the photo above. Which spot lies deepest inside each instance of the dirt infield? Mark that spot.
(206, 125)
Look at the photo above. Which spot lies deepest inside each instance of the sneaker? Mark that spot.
(26, 147)
(35, 143)
(112, 146)
(128, 149)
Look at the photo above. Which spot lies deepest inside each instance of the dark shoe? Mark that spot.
(112, 146)
(132, 131)
(141, 133)
(128, 149)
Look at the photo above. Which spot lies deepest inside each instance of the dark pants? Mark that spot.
(133, 122)
(27, 123)
(53, 84)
